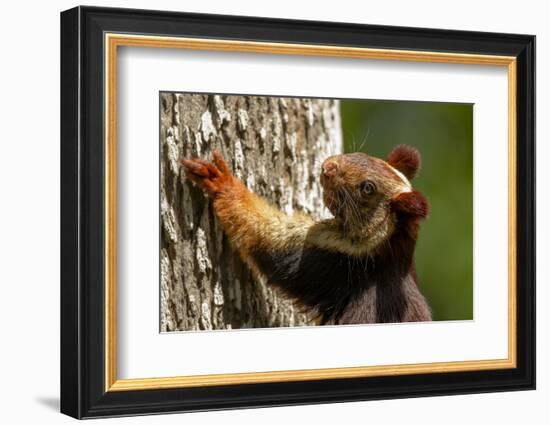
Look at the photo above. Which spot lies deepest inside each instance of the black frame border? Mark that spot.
(82, 212)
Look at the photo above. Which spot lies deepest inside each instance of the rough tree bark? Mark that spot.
(276, 146)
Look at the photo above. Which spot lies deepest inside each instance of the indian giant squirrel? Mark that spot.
(356, 267)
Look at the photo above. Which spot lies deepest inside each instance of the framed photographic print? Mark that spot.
(261, 212)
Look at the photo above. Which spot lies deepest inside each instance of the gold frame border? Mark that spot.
(113, 41)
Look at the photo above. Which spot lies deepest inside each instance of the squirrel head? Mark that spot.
(357, 188)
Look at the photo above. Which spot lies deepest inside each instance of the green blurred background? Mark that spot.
(443, 133)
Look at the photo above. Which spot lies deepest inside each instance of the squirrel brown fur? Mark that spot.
(357, 267)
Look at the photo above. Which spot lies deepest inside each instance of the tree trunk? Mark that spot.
(275, 146)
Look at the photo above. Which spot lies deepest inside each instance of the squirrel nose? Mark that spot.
(329, 168)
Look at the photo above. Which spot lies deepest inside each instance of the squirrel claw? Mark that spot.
(195, 167)
(212, 177)
(220, 163)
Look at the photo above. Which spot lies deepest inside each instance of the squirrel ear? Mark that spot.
(411, 203)
(406, 159)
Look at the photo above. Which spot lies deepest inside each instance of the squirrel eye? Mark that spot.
(368, 187)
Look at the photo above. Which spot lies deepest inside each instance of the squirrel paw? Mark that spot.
(212, 177)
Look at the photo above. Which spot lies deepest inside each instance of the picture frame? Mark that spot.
(90, 40)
